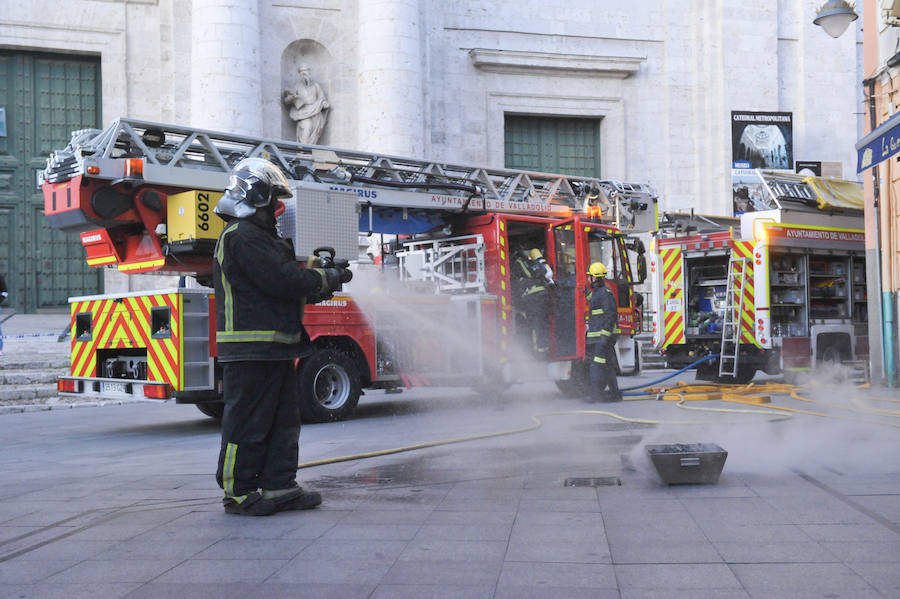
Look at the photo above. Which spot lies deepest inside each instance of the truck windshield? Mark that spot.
(605, 248)
(610, 250)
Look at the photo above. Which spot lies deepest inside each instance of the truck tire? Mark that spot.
(213, 409)
(578, 384)
(328, 385)
(745, 374)
(491, 390)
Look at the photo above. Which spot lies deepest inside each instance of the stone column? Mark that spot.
(391, 99)
(225, 66)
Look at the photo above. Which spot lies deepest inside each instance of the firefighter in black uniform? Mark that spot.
(260, 294)
(601, 337)
(532, 280)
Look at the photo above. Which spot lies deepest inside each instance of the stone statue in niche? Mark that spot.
(308, 107)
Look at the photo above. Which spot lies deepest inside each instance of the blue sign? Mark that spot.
(741, 164)
(879, 145)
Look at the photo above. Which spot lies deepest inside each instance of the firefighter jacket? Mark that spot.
(260, 294)
(603, 316)
(528, 276)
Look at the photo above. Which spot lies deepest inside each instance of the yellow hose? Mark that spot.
(744, 394)
(537, 424)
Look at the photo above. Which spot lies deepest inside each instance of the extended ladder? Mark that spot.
(734, 310)
(201, 159)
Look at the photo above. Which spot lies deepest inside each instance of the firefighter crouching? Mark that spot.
(601, 338)
(532, 280)
(260, 294)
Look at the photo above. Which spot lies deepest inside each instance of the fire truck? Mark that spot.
(141, 195)
(781, 289)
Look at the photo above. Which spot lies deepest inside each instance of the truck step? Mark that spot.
(857, 371)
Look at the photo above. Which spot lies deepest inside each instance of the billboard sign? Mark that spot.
(763, 139)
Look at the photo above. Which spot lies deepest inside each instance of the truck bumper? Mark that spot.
(104, 388)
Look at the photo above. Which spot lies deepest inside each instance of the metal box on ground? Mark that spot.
(688, 463)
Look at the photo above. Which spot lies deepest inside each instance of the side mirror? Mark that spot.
(641, 268)
(636, 246)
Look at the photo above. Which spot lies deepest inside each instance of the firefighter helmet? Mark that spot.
(597, 269)
(254, 183)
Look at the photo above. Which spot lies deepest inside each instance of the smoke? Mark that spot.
(446, 341)
(844, 431)
(430, 338)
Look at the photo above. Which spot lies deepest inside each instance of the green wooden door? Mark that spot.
(569, 146)
(45, 97)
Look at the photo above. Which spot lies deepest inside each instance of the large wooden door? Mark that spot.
(44, 98)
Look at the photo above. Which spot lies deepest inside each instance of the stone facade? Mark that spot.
(434, 79)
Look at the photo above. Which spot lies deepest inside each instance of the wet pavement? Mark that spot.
(120, 501)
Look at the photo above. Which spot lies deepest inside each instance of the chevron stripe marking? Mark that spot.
(673, 337)
(78, 347)
(82, 365)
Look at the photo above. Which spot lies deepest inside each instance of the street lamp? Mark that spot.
(835, 16)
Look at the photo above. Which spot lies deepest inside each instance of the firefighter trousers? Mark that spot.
(603, 369)
(260, 427)
(536, 307)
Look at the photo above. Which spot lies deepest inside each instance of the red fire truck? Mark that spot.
(781, 289)
(141, 195)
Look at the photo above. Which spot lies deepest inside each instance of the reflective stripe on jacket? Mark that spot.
(603, 315)
(260, 294)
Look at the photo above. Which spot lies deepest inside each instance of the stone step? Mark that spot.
(17, 394)
(28, 377)
(33, 362)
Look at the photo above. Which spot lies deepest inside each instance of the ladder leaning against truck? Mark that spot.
(782, 289)
(141, 196)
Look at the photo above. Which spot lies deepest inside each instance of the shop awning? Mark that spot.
(879, 145)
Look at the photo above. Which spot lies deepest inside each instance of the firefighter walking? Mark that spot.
(260, 294)
(601, 338)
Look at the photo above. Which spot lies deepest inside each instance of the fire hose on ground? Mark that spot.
(749, 394)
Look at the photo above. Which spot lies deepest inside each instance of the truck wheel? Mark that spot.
(578, 384)
(329, 387)
(745, 374)
(491, 390)
(213, 409)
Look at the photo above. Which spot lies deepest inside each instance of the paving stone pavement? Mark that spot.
(120, 501)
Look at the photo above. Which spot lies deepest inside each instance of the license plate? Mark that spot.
(114, 388)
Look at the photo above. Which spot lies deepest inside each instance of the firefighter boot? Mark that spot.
(294, 498)
(613, 394)
(252, 504)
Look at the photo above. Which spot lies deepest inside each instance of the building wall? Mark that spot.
(433, 79)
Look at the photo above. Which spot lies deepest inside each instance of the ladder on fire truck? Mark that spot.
(199, 159)
(734, 310)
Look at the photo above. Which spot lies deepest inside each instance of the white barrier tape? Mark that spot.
(7, 337)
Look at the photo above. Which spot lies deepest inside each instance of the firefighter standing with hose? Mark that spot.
(601, 338)
(260, 294)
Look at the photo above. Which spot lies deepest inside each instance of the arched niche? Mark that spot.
(314, 55)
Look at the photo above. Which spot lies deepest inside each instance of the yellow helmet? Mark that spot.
(535, 254)
(597, 269)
